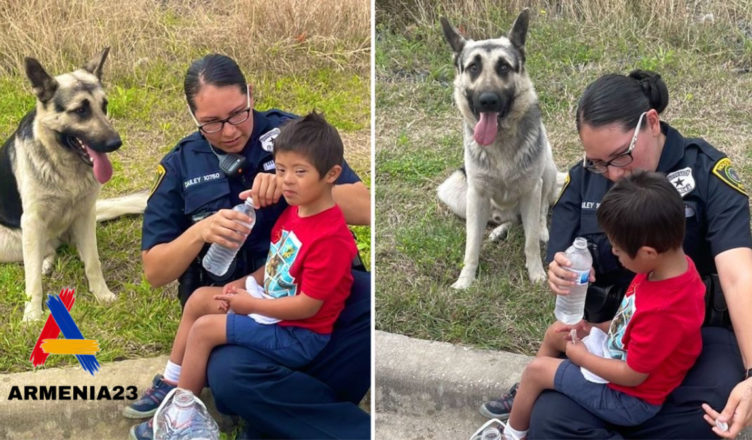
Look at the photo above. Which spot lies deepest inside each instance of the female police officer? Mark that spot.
(620, 130)
(199, 181)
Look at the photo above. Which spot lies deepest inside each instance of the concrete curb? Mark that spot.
(413, 373)
(427, 389)
(80, 419)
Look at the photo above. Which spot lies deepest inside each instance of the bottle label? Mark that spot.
(583, 276)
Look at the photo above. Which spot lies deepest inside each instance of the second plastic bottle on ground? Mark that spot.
(218, 259)
(570, 308)
(182, 416)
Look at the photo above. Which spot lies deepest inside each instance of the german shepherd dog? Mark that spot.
(51, 170)
(508, 165)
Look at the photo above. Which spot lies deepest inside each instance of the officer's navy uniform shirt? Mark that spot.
(193, 186)
(717, 213)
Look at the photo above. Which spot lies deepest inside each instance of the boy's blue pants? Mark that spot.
(319, 401)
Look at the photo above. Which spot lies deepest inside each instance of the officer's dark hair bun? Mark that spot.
(653, 87)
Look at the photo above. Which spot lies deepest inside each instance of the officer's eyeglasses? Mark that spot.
(621, 160)
(234, 119)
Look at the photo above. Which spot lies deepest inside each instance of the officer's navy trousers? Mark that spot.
(320, 401)
(714, 375)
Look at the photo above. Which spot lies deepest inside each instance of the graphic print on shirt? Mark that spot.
(278, 282)
(614, 347)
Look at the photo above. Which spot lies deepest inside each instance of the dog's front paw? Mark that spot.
(464, 281)
(105, 295)
(31, 313)
(462, 284)
(536, 274)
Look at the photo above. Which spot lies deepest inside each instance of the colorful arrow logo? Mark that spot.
(74, 343)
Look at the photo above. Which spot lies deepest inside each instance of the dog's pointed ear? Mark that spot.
(44, 85)
(453, 37)
(94, 66)
(519, 29)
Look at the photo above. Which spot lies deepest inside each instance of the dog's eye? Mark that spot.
(503, 68)
(83, 109)
(473, 68)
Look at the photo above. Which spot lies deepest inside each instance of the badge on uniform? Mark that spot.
(726, 172)
(267, 139)
(683, 180)
(158, 178)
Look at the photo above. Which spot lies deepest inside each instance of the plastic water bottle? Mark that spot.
(491, 434)
(570, 308)
(182, 416)
(218, 259)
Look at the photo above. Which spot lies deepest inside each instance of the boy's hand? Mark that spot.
(239, 301)
(576, 352)
(582, 329)
(227, 290)
(233, 285)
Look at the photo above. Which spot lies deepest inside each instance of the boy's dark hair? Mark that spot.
(213, 69)
(643, 209)
(314, 138)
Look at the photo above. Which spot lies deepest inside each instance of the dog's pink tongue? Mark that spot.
(102, 166)
(486, 129)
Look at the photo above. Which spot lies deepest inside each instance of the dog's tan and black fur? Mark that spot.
(51, 170)
(508, 172)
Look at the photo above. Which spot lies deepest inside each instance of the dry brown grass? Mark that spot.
(605, 14)
(258, 34)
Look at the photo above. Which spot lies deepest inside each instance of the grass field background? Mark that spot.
(297, 59)
(703, 50)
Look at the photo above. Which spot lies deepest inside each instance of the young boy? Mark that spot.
(653, 340)
(307, 274)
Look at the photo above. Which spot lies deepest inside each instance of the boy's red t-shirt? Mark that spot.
(657, 329)
(312, 255)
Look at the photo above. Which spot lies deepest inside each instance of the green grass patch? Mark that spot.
(343, 97)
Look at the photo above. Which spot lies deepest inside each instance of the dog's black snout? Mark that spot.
(488, 101)
(113, 144)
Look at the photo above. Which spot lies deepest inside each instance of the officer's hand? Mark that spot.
(265, 190)
(736, 415)
(224, 228)
(560, 278)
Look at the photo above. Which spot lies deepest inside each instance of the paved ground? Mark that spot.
(79, 419)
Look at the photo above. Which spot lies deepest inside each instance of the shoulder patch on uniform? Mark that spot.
(158, 178)
(563, 188)
(267, 139)
(726, 172)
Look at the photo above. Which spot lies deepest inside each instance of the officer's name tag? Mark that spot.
(202, 179)
(590, 205)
